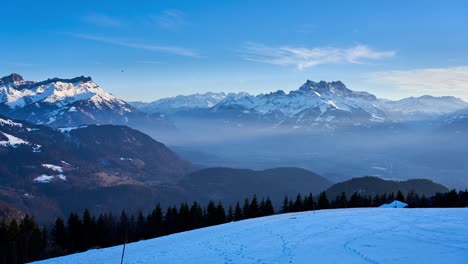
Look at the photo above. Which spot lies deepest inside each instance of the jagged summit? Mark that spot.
(72, 80)
(334, 88)
(324, 86)
(313, 103)
(12, 78)
(64, 102)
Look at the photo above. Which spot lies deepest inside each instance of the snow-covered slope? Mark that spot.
(20, 93)
(329, 236)
(63, 102)
(314, 103)
(456, 121)
(184, 102)
(414, 108)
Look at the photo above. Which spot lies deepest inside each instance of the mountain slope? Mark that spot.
(373, 185)
(231, 185)
(182, 103)
(68, 102)
(368, 235)
(314, 104)
(423, 107)
(47, 171)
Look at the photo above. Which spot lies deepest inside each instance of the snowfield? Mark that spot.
(370, 235)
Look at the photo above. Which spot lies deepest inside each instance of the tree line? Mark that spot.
(23, 241)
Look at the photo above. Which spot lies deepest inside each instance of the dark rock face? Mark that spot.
(11, 78)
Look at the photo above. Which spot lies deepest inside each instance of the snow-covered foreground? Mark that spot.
(328, 236)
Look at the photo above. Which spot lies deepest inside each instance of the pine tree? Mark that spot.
(298, 204)
(59, 237)
(268, 208)
(140, 226)
(253, 210)
(245, 209)
(184, 221)
(89, 230)
(238, 213)
(123, 227)
(211, 217)
(154, 223)
(196, 216)
(75, 234)
(230, 215)
(285, 208)
(400, 197)
(220, 214)
(323, 202)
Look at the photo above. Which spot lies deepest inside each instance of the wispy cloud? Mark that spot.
(150, 47)
(170, 19)
(304, 58)
(102, 20)
(436, 81)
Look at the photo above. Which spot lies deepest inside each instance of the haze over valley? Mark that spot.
(233, 132)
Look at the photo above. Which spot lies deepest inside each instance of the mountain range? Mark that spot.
(321, 104)
(66, 144)
(69, 102)
(80, 101)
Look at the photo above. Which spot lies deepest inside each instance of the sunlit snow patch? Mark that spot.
(53, 167)
(9, 122)
(43, 178)
(48, 178)
(68, 129)
(12, 141)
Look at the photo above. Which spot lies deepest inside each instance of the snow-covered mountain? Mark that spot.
(456, 121)
(415, 108)
(313, 104)
(185, 102)
(65, 102)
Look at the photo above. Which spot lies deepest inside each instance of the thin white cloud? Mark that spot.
(435, 81)
(170, 19)
(150, 47)
(102, 20)
(304, 58)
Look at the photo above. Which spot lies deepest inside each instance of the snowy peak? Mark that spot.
(68, 102)
(413, 108)
(186, 102)
(324, 87)
(334, 88)
(16, 93)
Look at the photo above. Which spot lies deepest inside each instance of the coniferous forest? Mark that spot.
(23, 241)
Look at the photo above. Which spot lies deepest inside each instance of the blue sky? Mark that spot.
(393, 49)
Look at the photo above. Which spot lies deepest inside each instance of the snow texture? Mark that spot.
(53, 167)
(12, 141)
(371, 235)
(44, 178)
(9, 123)
(48, 178)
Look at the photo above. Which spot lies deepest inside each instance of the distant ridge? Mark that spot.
(373, 185)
